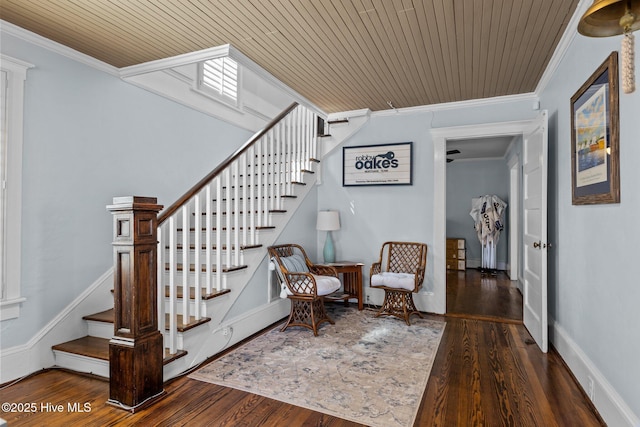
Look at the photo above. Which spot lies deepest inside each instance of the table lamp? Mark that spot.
(328, 221)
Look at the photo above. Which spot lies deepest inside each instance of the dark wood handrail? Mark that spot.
(200, 185)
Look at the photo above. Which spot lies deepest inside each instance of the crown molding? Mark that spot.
(482, 102)
(175, 61)
(563, 46)
(38, 40)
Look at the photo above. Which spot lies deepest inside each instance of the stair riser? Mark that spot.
(191, 254)
(231, 280)
(223, 235)
(79, 363)
(207, 307)
(100, 329)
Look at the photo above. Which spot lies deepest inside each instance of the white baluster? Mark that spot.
(314, 146)
(228, 213)
(272, 172)
(288, 155)
(197, 208)
(245, 202)
(236, 213)
(160, 268)
(208, 239)
(219, 231)
(259, 189)
(299, 135)
(185, 263)
(252, 187)
(277, 160)
(308, 152)
(173, 316)
(265, 193)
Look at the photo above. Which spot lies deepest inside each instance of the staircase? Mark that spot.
(210, 244)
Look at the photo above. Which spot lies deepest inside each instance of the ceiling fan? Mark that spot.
(450, 152)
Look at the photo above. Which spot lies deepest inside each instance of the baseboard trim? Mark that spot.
(36, 354)
(612, 408)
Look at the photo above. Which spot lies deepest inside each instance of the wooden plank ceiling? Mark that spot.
(340, 54)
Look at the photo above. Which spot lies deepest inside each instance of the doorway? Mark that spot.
(534, 223)
(478, 282)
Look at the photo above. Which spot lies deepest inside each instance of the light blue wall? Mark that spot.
(301, 230)
(593, 285)
(469, 179)
(89, 137)
(372, 215)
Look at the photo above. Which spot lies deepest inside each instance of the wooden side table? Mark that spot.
(351, 280)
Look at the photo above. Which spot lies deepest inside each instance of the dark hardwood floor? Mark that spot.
(486, 373)
(471, 294)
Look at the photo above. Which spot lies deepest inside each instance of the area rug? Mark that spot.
(369, 370)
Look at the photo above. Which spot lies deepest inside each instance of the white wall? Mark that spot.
(593, 285)
(467, 179)
(89, 137)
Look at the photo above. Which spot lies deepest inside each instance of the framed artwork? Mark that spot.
(388, 164)
(595, 169)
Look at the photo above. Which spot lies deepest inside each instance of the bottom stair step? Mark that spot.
(97, 348)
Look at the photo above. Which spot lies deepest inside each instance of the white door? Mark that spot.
(534, 152)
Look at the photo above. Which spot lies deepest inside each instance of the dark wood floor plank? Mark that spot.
(471, 294)
(485, 373)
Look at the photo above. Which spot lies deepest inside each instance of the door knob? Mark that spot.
(536, 245)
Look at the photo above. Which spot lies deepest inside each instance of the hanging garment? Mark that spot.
(487, 212)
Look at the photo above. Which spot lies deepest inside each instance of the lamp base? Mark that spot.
(329, 251)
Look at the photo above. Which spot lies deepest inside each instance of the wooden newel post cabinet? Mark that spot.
(136, 349)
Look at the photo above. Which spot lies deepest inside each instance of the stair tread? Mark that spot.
(98, 348)
(107, 316)
(203, 268)
(192, 246)
(104, 316)
(224, 228)
(183, 327)
(192, 293)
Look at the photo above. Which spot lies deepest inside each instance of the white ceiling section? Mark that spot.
(340, 54)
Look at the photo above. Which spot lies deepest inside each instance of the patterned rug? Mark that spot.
(369, 370)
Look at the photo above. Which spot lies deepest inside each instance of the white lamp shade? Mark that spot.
(328, 221)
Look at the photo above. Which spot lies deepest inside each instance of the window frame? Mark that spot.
(211, 92)
(11, 181)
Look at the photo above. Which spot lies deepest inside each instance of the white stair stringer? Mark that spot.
(340, 132)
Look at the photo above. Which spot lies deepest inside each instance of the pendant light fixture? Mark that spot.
(610, 18)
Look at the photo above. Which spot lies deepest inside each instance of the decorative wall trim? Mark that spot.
(36, 354)
(15, 71)
(613, 409)
(216, 52)
(56, 47)
(562, 47)
(484, 102)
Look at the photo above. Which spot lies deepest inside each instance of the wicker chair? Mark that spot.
(306, 285)
(400, 272)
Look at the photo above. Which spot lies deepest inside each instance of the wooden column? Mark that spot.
(136, 349)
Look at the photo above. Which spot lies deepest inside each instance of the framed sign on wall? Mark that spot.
(387, 164)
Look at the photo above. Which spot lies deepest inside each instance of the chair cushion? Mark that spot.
(394, 280)
(325, 285)
(295, 263)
